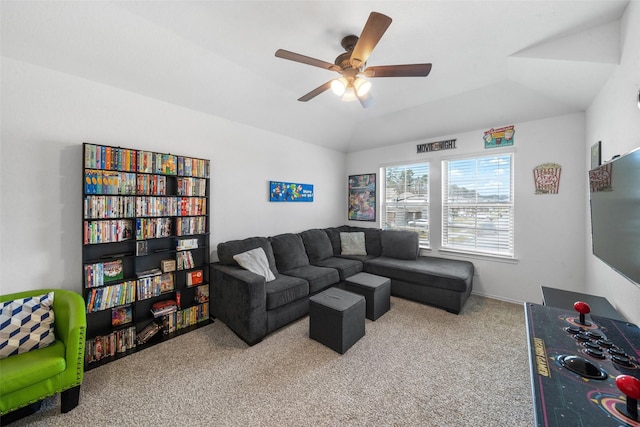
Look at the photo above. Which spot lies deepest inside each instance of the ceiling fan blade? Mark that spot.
(292, 56)
(409, 70)
(317, 91)
(366, 100)
(372, 32)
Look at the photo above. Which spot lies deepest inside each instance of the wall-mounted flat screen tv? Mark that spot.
(615, 214)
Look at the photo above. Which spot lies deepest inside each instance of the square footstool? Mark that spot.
(336, 318)
(375, 289)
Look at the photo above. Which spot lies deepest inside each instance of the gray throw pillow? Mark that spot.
(353, 243)
(255, 261)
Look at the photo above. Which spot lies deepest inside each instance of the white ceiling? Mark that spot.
(494, 62)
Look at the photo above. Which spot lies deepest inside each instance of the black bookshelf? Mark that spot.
(145, 244)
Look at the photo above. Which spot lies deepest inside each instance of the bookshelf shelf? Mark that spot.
(145, 246)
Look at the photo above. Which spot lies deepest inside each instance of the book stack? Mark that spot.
(191, 187)
(193, 206)
(194, 278)
(99, 273)
(191, 225)
(109, 182)
(156, 206)
(108, 345)
(152, 184)
(96, 207)
(193, 167)
(113, 158)
(162, 308)
(111, 296)
(185, 260)
(187, 244)
(107, 231)
(152, 228)
(153, 283)
(185, 318)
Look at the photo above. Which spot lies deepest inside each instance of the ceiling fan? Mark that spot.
(351, 64)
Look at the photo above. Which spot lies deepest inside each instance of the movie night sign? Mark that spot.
(437, 146)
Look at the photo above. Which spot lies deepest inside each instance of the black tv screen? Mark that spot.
(615, 214)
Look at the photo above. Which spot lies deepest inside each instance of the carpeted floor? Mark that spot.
(416, 366)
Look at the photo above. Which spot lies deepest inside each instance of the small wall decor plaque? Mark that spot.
(280, 191)
(547, 178)
(501, 137)
(436, 146)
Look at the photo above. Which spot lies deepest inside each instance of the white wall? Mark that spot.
(614, 119)
(47, 115)
(550, 229)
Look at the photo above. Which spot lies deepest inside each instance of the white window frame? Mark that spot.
(411, 205)
(471, 224)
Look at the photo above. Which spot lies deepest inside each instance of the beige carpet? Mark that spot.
(416, 366)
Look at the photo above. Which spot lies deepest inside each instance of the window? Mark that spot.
(406, 202)
(477, 205)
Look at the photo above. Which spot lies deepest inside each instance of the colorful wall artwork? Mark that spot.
(362, 197)
(547, 178)
(280, 191)
(501, 137)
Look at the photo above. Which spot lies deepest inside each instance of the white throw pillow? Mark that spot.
(255, 261)
(26, 324)
(353, 243)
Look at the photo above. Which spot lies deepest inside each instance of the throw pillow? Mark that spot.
(353, 243)
(26, 324)
(255, 261)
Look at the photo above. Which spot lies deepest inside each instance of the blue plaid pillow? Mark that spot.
(26, 324)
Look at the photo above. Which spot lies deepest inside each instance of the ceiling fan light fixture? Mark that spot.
(339, 86)
(362, 86)
(349, 94)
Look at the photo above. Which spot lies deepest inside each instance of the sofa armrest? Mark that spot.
(239, 299)
(70, 328)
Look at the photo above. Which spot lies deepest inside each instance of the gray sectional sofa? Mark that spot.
(306, 263)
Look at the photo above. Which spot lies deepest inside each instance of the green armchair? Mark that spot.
(27, 378)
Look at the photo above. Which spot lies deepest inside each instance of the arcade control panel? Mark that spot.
(585, 369)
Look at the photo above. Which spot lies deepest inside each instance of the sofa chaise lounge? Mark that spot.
(255, 301)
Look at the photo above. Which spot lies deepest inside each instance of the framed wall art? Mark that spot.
(362, 197)
(280, 191)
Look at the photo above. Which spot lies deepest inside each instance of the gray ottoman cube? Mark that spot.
(375, 289)
(336, 318)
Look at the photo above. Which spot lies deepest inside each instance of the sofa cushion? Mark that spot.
(255, 261)
(288, 251)
(227, 250)
(285, 289)
(319, 278)
(26, 324)
(400, 244)
(454, 275)
(22, 370)
(352, 243)
(346, 267)
(317, 244)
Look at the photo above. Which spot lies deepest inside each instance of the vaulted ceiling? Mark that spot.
(494, 62)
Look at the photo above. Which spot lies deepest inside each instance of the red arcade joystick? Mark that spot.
(630, 386)
(582, 308)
